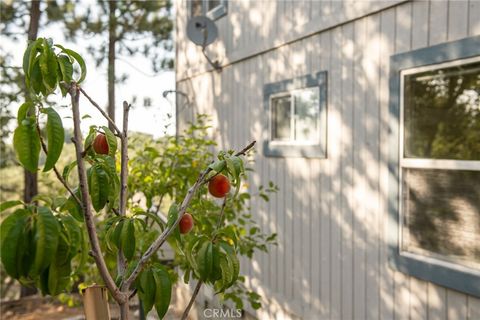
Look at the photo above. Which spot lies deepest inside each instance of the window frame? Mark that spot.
(441, 272)
(292, 96)
(292, 148)
(214, 13)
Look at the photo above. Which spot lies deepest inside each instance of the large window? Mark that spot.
(440, 167)
(296, 117)
(435, 102)
(213, 9)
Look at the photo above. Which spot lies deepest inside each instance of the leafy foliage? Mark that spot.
(39, 247)
(43, 244)
(161, 171)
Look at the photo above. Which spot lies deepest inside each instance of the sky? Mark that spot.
(141, 83)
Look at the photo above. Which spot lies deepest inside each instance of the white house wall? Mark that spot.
(330, 214)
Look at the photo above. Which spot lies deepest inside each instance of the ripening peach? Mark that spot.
(219, 186)
(100, 144)
(186, 223)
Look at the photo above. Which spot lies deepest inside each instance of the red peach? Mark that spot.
(100, 144)
(186, 223)
(219, 186)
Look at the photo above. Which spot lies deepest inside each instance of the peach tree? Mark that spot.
(117, 214)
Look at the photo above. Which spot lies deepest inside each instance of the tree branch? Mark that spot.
(200, 282)
(163, 237)
(57, 173)
(239, 153)
(119, 296)
(222, 212)
(192, 299)
(104, 114)
(122, 262)
(124, 161)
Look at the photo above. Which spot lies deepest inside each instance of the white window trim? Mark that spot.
(214, 13)
(292, 93)
(422, 163)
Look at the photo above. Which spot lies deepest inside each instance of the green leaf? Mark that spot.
(128, 239)
(217, 166)
(36, 79)
(68, 169)
(152, 216)
(73, 207)
(9, 204)
(233, 260)
(35, 48)
(186, 276)
(11, 235)
(216, 271)
(98, 186)
(190, 249)
(111, 141)
(238, 164)
(23, 111)
(74, 234)
(108, 238)
(42, 282)
(60, 268)
(205, 260)
(231, 167)
(79, 60)
(26, 58)
(26, 143)
(172, 215)
(66, 68)
(227, 272)
(43, 197)
(27, 247)
(163, 292)
(49, 67)
(55, 138)
(29, 58)
(117, 234)
(46, 233)
(89, 140)
(147, 290)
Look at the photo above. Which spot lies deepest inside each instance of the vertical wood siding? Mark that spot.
(330, 214)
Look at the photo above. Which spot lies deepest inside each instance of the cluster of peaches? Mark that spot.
(218, 186)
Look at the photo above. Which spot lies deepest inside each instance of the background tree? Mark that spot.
(124, 27)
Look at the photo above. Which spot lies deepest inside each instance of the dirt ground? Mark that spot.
(39, 308)
(35, 308)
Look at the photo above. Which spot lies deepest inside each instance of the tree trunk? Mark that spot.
(112, 38)
(124, 310)
(30, 178)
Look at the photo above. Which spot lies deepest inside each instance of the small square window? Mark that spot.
(213, 9)
(297, 117)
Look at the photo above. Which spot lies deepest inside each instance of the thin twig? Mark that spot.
(122, 262)
(104, 114)
(57, 173)
(244, 150)
(199, 284)
(119, 296)
(222, 212)
(164, 235)
(239, 153)
(192, 299)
